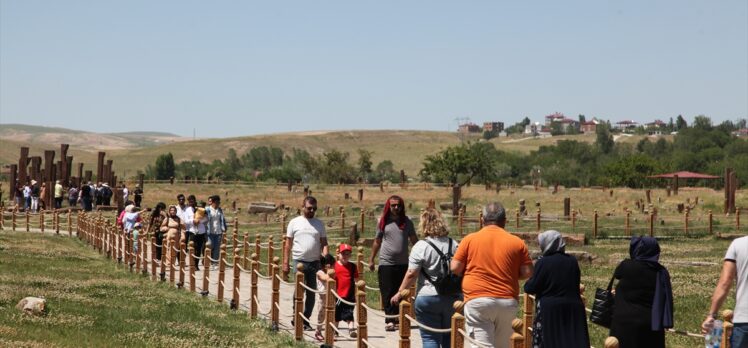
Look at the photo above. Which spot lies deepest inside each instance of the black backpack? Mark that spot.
(446, 283)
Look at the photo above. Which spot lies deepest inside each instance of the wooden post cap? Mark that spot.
(611, 342)
(360, 250)
(236, 252)
(299, 267)
(254, 256)
(727, 315)
(517, 325)
(458, 306)
(276, 259)
(361, 285)
(405, 293)
(270, 238)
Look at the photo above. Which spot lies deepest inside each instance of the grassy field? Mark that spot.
(94, 303)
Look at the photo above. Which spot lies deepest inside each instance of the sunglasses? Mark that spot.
(395, 205)
(311, 208)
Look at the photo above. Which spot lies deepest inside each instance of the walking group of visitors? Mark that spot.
(484, 270)
(187, 220)
(32, 195)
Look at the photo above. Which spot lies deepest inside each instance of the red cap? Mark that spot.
(344, 247)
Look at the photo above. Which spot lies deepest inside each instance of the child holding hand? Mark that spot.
(345, 276)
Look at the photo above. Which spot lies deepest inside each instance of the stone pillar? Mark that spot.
(675, 185)
(80, 172)
(64, 172)
(456, 193)
(13, 179)
(35, 171)
(23, 162)
(100, 166)
(88, 176)
(68, 170)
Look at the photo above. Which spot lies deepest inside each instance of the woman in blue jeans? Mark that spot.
(432, 308)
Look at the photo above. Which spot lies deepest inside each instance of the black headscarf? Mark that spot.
(647, 250)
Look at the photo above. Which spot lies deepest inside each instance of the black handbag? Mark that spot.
(602, 307)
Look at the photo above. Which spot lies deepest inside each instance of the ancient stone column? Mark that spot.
(23, 162)
(100, 166)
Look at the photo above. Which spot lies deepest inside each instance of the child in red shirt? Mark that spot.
(345, 277)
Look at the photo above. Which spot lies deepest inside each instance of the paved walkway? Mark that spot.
(377, 336)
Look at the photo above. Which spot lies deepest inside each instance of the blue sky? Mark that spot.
(230, 68)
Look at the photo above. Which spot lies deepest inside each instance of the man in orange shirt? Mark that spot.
(492, 261)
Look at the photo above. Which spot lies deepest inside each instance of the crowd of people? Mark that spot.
(88, 196)
(489, 265)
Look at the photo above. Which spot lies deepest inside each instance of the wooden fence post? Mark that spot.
(342, 219)
(57, 221)
(237, 280)
(153, 258)
(628, 222)
(245, 255)
(164, 249)
(685, 222)
(405, 308)
(727, 327)
(711, 223)
(460, 220)
(299, 303)
(651, 224)
(41, 220)
(270, 254)
(457, 323)
(13, 218)
(594, 231)
(27, 220)
(253, 286)
(363, 219)
(737, 219)
(528, 304)
(191, 256)
(517, 340)
(70, 222)
(206, 271)
(516, 214)
(275, 300)
(221, 273)
(330, 309)
(172, 260)
(182, 259)
(363, 331)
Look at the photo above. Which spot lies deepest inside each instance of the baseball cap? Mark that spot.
(344, 247)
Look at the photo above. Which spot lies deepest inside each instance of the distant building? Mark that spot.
(493, 126)
(626, 125)
(741, 133)
(656, 124)
(533, 128)
(554, 117)
(588, 127)
(468, 128)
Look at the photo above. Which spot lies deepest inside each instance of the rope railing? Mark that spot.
(116, 244)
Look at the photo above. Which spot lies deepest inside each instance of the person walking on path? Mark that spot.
(138, 195)
(492, 261)
(394, 230)
(432, 308)
(172, 227)
(106, 195)
(59, 193)
(187, 215)
(216, 228)
(734, 269)
(42, 199)
(154, 226)
(560, 318)
(200, 222)
(72, 195)
(306, 240)
(643, 297)
(27, 195)
(345, 278)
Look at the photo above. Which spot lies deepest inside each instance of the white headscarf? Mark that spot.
(551, 242)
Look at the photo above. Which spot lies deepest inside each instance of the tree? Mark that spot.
(680, 123)
(364, 163)
(460, 164)
(604, 140)
(702, 122)
(582, 119)
(164, 166)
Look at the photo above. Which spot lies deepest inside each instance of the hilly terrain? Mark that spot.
(134, 151)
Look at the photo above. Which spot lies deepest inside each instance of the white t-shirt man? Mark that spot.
(738, 253)
(306, 234)
(187, 215)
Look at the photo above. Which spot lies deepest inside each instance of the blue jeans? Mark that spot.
(215, 246)
(739, 338)
(436, 312)
(310, 279)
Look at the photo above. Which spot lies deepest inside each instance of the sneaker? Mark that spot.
(390, 327)
(318, 336)
(308, 327)
(352, 332)
(213, 268)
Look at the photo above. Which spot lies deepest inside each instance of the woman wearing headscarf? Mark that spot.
(154, 226)
(643, 298)
(172, 227)
(560, 319)
(394, 230)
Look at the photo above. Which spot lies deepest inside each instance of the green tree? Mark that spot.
(460, 164)
(364, 163)
(164, 167)
(604, 140)
(680, 123)
(582, 119)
